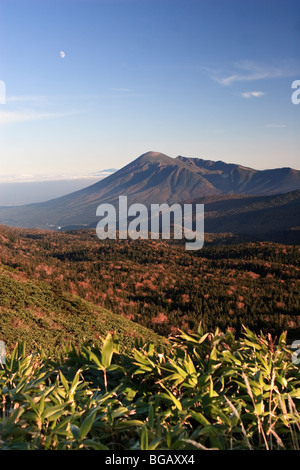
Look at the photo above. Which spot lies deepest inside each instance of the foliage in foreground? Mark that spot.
(211, 391)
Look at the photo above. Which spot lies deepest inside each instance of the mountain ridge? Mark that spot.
(151, 178)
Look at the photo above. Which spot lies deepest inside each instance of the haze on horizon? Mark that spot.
(93, 84)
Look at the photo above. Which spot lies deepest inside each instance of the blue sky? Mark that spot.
(199, 78)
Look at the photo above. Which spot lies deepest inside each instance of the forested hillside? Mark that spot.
(160, 285)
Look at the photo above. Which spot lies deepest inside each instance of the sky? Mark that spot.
(93, 84)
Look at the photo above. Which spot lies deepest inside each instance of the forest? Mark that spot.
(141, 345)
(161, 286)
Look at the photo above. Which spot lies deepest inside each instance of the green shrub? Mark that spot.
(210, 390)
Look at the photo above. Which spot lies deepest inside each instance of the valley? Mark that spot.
(154, 284)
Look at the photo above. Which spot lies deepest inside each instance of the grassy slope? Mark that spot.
(46, 318)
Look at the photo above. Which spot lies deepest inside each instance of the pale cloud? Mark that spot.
(120, 89)
(275, 126)
(33, 178)
(246, 71)
(12, 117)
(251, 94)
(26, 98)
(2, 92)
(247, 77)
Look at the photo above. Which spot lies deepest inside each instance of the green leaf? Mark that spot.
(203, 338)
(144, 439)
(170, 397)
(190, 366)
(199, 418)
(74, 384)
(107, 351)
(187, 337)
(53, 410)
(129, 423)
(63, 380)
(75, 431)
(153, 444)
(93, 357)
(151, 416)
(87, 424)
(295, 393)
(94, 445)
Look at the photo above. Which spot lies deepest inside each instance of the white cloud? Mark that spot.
(246, 70)
(251, 94)
(12, 117)
(25, 98)
(275, 126)
(247, 77)
(32, 178)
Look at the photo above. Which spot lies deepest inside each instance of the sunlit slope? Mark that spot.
(48, 318)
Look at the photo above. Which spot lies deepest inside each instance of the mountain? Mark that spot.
(272, 218)
(230, 178)
(152, 178)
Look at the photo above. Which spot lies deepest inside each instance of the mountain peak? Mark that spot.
(153, 178)
(155, 157)
(151, 153)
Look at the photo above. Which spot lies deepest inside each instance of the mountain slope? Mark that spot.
(273, 218)
(230, 178)
(152, 178)
(45, 317)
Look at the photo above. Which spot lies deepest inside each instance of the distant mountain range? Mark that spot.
(237, 198)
